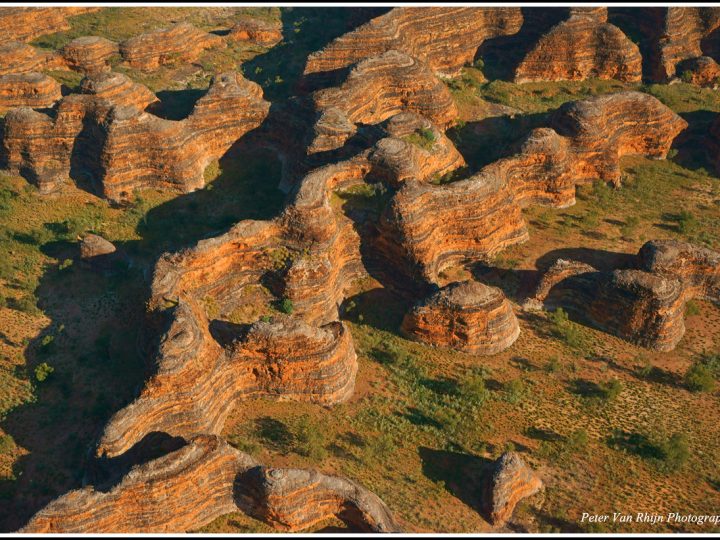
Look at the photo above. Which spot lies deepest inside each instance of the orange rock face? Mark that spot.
(18, 57)
(702, 71)
(380, 87)
(444, 38)
(606, 127)
(109, 118)
(644, 305)
(511, 481)
(25, 24)
(179, 43)
(257, 31)
(414, 148)
(581, 47)
(467, 316)
(206, 478)
(89, 54)
(28, 90)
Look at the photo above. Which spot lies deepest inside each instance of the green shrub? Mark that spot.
(553, 365)
(7, 444)
(26, 304)
(675, 452)
(700, 378)
(43, 371)
(381, 446)
(629, 226)
(566, 330)
(422, 137)
(472, 388)
(610, 390)
(691, 308)
(686, 76)
(515, 390)
(286, 306)
(687, 222)
(309, 438)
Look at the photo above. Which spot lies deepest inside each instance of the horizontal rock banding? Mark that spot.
(444, 38)
(582, 47)
(188, 488)
(467, 316)
(606, 127)
(90, 54)
(644, 305)
(108, 118)
(295, 499)
(179, 43)
(28, 90)
(25, 24)
(16, 57)
(382, 86)
(510, 481)
(261, 32)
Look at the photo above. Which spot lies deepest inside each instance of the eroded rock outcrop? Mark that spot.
(414, 148)
(107, 120)
(644, 305)
(26, 23)
(376, 89)
(28, 90)
(295, 499)
(604, 128)
(467, 316)
(581, 47)
(181, 42)
(444, 38)
(90, 54)
(206, 478)
(702, 71)
(261, 32)
(18, 57)
(510, 481)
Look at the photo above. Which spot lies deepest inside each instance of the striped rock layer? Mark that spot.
(466, 316)
(181, 42)
(582, 47)
(203, 480)
(106, 121)
(445, 39)
(28, 90)
(25, 24)
(644, 305)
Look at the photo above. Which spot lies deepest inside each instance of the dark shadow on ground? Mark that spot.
(99, 340)
(176, 104)
(305, 30)
(502, 55)
(691, 144)
(493, 138)
(602, 260)
(461, 473)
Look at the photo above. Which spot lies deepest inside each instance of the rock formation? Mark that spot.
(90, 54)
(295, 499)
(260, 32)
(644, 305)
(206, 478)
(702, 71)
(414, 148)
(28, 90)
(445, 39)
(510, 481)
(107, 119)
(428, 228)
(378, 88)
(179, 43)
(467, 316)
(93, 245)
(603, 128)
(582, 47)
(25, 24)
(18, 57)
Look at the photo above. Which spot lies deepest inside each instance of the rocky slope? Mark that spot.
(444, 38)
(181, 42)
(108, 118)
(510, 481)
(467, 316)
(582, 47)
(644, 304)
(206, 478)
